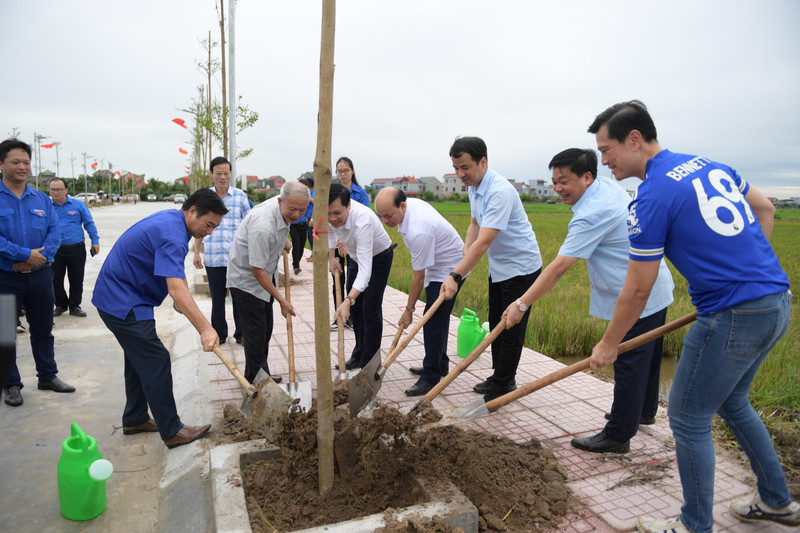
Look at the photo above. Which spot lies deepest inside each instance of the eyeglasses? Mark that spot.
(344, 171)
(57, 190)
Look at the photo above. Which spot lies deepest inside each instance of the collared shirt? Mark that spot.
(259, 243)
(363, 237)
(134, 274)
(598, 233)
(309, 210)
(434, 244)
(73, 217)
(359, 195)
(514, 251)
(217, 246)
(26, 223)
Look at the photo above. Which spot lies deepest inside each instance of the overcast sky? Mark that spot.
(721, 79)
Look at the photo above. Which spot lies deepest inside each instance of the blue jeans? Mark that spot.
(721, 354)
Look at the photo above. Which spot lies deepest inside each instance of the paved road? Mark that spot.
(89, 358)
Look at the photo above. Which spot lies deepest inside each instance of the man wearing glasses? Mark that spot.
(73, 217)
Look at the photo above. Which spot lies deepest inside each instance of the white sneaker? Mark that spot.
(756, 509)
(646, 524)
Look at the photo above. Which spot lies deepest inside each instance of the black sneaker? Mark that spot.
(496, 390)
(349, 324)
(483, 386)
(77, 312)
(334, 326)
(58, 311)
(13, 396)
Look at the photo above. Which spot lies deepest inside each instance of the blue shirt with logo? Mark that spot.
(693, 211)
(73, 217)
(26, 223)
(134, 275)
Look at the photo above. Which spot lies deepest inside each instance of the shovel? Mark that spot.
(296, 391)
(260, 401)
(460, 367)
(366, 384)
(340, 330)
(479, 408)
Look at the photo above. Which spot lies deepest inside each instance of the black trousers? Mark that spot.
(367, 311)
(148, 374)
(435, 334)
(217, 278)
(507, 348)
(257, 321)
(69, 260)
(298, 233)
(636, 380)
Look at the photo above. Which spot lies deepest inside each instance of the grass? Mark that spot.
(560, 325)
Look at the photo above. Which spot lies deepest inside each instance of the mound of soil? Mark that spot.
(514, 486)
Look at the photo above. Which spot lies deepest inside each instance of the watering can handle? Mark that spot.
(470, 312)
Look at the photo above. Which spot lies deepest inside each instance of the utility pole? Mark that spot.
(37, 139)
(58, 167)
(72, 160)
(232, 89)
(85, 180)
(223, 119)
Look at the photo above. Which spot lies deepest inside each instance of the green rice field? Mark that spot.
(561, 327)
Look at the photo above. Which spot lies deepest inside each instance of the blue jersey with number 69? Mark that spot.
(693, 211)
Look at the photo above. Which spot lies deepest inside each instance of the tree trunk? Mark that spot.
(322, 181)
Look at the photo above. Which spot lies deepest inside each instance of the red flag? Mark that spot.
(186, 179)
(128, 175)
(187, 167)
(48, 145)
(181, 150)
(118, 173)
(180, 122)
(94, 165)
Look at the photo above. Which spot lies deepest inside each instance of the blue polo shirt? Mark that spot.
(359, 195)
(73, 216)
(514, 251)
(134, 275)
(598, 233)
(26, 223)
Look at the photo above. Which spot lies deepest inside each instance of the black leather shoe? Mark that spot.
(77, 312)
(644, 421)
(56, 385)
(484, 386)
(420, 388)
(496, 390)
(600, 443)
(148, 427)
(58, 311)
(186, 435)
(416, 370)
(350, 364)
(13, 396)
(276, 378)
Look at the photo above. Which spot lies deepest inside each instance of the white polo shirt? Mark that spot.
(433, 242)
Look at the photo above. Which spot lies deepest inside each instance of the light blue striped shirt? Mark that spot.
(217, 246)
(514, 251)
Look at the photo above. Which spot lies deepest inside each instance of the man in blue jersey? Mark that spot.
(29, 239)
(146, 264)
(74, 217)
(598, 233)
(499, 228)
(713, 226)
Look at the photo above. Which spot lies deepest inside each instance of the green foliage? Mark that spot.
(428, 196)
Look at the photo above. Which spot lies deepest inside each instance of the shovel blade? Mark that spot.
(300, 393)
(260, 376)
(268, 407)
(365, 385)
(470, 411)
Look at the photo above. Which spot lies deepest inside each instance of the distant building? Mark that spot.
(431, 184)
(539, 188)
(271, 183)
(409, 185)
(453, 185)
(251, 181)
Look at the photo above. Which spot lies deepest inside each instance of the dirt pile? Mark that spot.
(516, 487)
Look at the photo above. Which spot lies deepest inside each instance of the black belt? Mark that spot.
(40, 267)
(82, 243)
(386, 251)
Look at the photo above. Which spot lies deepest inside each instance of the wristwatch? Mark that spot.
(352, 300)
(522, 306)
(456, 276)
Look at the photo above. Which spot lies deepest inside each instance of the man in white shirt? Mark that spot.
(435, 248)
(371, 252)
(257, 247)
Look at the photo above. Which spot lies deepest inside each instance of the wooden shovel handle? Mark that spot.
(395, 350)
(460, 367)
(340, 330)
(289, 328)
(574, 368)
(235, 371)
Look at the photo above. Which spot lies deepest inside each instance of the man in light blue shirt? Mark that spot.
(73, 217)
(598, 233)
(217, 246)
(501, 229)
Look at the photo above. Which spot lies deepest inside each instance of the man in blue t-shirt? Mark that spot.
(146, 264)
(500, 229)
(713, 226)
(73, 217)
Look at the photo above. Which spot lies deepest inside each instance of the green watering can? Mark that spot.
(82, 475)
(470, 332)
